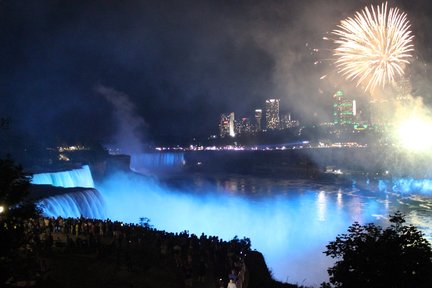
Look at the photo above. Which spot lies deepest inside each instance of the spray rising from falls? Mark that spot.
(74, 178)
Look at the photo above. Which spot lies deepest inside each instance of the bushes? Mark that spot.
(16, 246)
(370, 256)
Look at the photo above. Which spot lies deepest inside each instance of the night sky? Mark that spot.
(116, 72)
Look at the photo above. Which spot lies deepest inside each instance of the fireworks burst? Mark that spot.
(374, 46)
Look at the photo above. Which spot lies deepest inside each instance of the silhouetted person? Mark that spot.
(231, 284)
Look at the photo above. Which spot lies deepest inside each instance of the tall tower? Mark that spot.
(343, 109)
(231, 124)
(258, 116)
(272, 114)
(223, 126)
(244, 126)
(226, 125)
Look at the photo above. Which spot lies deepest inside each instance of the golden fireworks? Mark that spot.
(374, 46)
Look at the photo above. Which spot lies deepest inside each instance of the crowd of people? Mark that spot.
(137, 247)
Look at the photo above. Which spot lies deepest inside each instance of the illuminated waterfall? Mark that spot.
(157, 161)
(75, 178)
(88, 203)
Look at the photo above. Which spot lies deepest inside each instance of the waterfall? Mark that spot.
(84, 200)
(88, 203)
(157, 161)
(74, 178)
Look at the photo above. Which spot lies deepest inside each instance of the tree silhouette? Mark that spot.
(14, 183)
(15, 242)
(369, 256)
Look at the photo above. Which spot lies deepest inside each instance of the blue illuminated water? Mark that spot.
(67, 179)
(148, 162)
(289, 221)
(88, 203)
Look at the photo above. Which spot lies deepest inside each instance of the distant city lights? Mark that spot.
(285, 146)
(63, 157)
(72, 148)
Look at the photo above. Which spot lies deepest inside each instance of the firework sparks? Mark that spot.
(374, 46)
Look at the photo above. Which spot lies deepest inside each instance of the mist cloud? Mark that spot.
(129, 126)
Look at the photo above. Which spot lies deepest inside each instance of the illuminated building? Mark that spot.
(361, 121)
(344, 109)
(237, 127)
(231, 125)
(258, 116)
(223, 126)
(287, 122)
(226, 125)
(272, 114)
(245, 126)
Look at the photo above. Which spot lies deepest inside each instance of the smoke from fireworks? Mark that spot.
(374, 46)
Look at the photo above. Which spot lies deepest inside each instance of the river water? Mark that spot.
(290, 220)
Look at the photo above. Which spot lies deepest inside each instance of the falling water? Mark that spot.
(88, 203)
(148, 162)
(74, 178)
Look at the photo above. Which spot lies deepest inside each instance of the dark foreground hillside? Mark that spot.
(94, 253)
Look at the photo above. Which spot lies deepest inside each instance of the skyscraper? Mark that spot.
(272, 114)
(286, 122)
(231, 124)
(258, 116)
(226, 125)
(343, 109)
(245, 126)
(223, 126)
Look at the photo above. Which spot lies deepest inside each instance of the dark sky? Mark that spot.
(109, 71)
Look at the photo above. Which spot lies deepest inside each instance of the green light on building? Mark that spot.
(339, 93)
(343, 113)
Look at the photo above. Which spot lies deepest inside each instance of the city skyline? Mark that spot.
(273, 120)
(140, 72)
